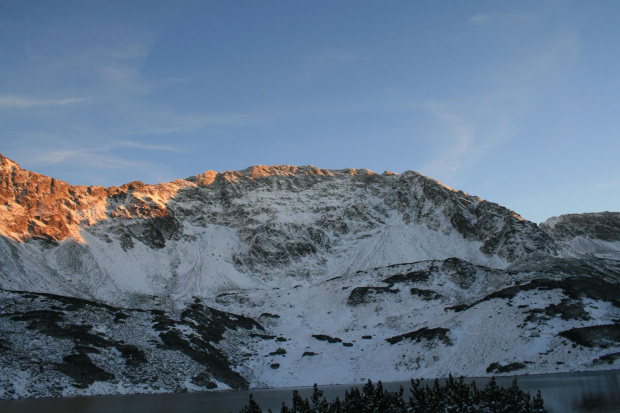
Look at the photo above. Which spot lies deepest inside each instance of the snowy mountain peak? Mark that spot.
(265, 224)
(275, 224)
(284, 275)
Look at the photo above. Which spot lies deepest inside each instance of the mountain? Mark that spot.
(582, 234)
(284, 275)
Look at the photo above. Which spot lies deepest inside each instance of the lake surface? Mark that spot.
(563, 393)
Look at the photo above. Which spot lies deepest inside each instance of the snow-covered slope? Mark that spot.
(285, 275)
(213, 232)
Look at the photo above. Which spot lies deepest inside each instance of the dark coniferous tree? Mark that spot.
(353, 401)
(436, 401)
(538, 405)
(336, 406)
(252, 406)
(459, 397)
(300, 405)
(418, 398)
(491, 397)
(319, 403)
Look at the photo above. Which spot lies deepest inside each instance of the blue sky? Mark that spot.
(517, 102)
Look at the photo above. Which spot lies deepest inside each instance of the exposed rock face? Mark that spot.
(39, 207)
(34, 204)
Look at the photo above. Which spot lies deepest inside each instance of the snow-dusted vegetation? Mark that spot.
(452, 396)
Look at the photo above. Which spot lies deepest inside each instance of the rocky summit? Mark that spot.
(281, 275)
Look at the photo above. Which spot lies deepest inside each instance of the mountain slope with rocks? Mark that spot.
(284, 275)
(596, 234)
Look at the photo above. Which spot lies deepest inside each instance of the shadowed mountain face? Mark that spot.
(390, 266)
(580, 234)
(604, 226)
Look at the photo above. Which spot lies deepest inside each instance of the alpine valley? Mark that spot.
(285, 276)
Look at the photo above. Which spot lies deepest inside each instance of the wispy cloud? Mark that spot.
(480, 18)
(106, 164)
(180, 79)
(156, 121)
(465, 132)
(334, 56)
(96, 155)
(462, 132)
(136, 49)
(21, 102)
(91, 157)
(483, 18)
(467, 129)
(90, 162)
(317, 65)
(101, 156)
(609, 184)
(119, 73)
(138, 145)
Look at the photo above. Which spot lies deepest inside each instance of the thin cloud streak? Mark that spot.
(137, 145)
(483, 18)
(119, 73)
(318, 65)
(480, 18)
(96, 155)
(609, 184)
(20, 102)
(461, 133)
(101, 162)
(152, 121)
(470, 128)
(334, 57)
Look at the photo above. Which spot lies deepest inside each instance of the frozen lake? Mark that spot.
(563, 393)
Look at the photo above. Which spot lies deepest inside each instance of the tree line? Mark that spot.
(454, 396)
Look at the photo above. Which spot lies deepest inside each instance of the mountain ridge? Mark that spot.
(276, 220)
(17, 185)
